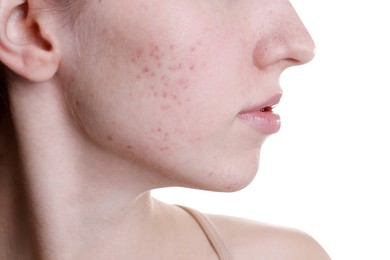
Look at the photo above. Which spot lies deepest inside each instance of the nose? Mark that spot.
(286, 40)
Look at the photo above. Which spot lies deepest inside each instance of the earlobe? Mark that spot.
(25, 47)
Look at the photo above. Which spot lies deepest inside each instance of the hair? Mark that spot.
(3, 92)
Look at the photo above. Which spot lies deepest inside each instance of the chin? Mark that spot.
(236, 179)
(237, 176)
(239, 184)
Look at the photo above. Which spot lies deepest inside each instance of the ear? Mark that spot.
(26, 47)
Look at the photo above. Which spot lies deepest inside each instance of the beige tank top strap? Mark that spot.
(211, 233)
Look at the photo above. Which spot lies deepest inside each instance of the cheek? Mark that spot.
(164, 74)
(143, 100)
(164, 82)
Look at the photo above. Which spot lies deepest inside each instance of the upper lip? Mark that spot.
(264, 106)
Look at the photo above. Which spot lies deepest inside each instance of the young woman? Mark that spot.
(107, 100)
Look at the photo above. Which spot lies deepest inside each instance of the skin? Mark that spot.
(136, 95)
(156, 102)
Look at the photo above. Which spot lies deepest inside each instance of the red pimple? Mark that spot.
(109, 138)
(154, 55)
(129, 147)
(154, 52)
(175, 67)
(145, 69)
(164, 148)
(182, 81)
(139, 52)
(154, 47)
(165, 107)
(179, 131)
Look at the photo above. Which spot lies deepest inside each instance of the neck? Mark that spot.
(62, 198)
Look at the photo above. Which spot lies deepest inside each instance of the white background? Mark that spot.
(326, 171)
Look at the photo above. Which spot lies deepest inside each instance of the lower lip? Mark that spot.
(263, 122)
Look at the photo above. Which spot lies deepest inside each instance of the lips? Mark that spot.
(261, 116)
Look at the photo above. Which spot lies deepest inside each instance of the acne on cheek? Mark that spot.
(163, 135)
(167, 73)
(166, 77)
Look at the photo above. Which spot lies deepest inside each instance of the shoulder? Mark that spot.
(246, 239)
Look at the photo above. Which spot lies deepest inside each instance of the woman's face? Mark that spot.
(168, 84)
